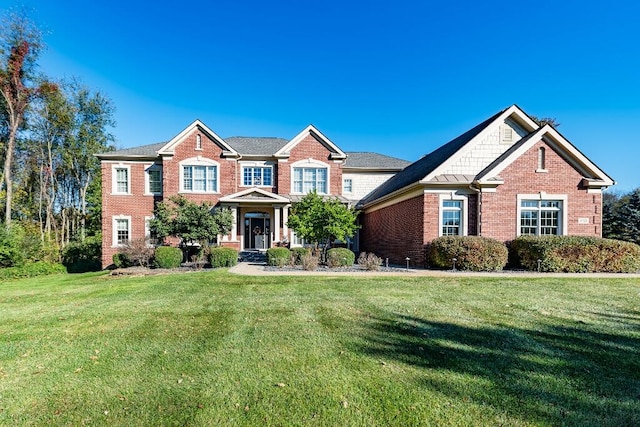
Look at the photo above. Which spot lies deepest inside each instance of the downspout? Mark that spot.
(478, 190)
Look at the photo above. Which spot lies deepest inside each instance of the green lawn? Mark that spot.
(211, 348)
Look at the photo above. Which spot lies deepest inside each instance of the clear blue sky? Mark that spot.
(399, 78)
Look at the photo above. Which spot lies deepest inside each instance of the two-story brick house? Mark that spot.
(506, 177)
(257, 178)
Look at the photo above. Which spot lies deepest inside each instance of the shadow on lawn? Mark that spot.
(569, 374)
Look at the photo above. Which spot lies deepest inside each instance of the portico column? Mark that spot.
(285, 218)
(234, 224)
(276, 224)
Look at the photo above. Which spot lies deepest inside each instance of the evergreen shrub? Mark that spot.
(575, 254)
(80, 257)
(340, 257)
(167, 257)
(278, 257)
(473, 253)
(223, 257)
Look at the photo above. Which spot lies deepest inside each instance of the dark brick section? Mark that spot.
(395, 232)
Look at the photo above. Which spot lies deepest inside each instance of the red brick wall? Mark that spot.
(137, 205)
(309, 147)
(396, 232)
(499, 210)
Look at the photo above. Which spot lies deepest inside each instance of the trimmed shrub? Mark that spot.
(223, 257)
(121, 260)
(278, 257)
(309, 262)
(167, 257)
(473, 253)
(80, 257)
(369, 261)
(297, 254)
(40, 268)
(340, 257)
(575, 254)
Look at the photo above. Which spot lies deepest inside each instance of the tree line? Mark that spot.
(50, 131)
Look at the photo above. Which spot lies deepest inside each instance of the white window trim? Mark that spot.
(244, 165)
(563, 223)
(147, 184)
(114, 179)
(310, 163)
(114, 226)
(344, 187)
(199, 161)
(198, 142)
(463, 214)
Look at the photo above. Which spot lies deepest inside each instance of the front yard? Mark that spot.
(211, 348)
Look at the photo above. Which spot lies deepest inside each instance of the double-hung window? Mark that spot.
(121, 180)
(200, 179)
(306, 180)
(257, 176)
(121, 230)
(154, 180)
(540, 217)
(452, 218)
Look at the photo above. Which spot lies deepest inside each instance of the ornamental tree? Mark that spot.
(189, 221)
(322, 221)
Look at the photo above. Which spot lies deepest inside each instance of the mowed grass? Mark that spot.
(215, 349)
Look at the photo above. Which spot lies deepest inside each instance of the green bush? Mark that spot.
(340, 257)
(297, 254)
(575, 254)
(223, 257)
(473, 253)
(40, 268)
(278, 257)
(10, 253)
(80, 257)
(167, 257)
(121, 260)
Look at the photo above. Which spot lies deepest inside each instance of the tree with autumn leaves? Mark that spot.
(49, 134)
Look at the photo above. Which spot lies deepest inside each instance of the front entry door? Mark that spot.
(256, 231)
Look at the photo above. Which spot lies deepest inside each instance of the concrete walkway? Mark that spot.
(256, 269)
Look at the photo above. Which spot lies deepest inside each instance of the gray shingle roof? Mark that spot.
(421, 168)
(150, 150)
(368, 160)
(257, 146)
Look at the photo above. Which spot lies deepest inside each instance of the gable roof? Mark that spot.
(594, 176)
(416, 171)
(169, 147)
(336, 152)
(435, 167)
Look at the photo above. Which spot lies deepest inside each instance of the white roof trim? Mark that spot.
(270, 197)
(511, 111)
(284, 151)
(170, 146)
(575, 157)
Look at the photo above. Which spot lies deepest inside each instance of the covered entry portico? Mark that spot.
(260, 218)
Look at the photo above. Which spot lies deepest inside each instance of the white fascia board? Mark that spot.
(284, 151)
(271, 197)
(513, 110)
(169, 147)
